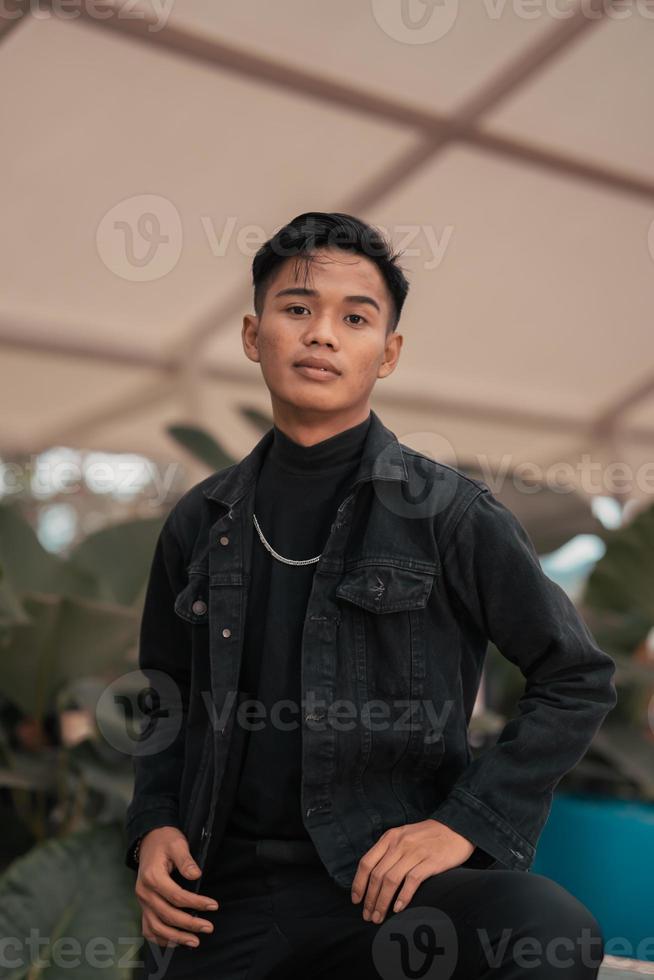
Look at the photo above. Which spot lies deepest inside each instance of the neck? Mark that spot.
(309, 426)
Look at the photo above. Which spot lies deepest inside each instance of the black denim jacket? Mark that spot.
(422, 568)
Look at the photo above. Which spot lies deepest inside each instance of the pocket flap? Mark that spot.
(385, 588)
(192, 603)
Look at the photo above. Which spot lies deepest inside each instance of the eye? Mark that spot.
(295, 307)
(363, 319)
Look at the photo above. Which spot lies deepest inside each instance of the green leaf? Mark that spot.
(28, 567)
(202, 445)
(11, 609)
(260, 420)
(119, 558)
(619, 592)
(65, 638)
(77, 894)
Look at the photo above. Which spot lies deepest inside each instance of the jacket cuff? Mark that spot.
(143, 823)
(470, 817)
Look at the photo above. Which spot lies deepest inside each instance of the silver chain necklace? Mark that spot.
(275, 554)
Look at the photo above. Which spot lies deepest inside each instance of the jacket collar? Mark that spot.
(381, 459)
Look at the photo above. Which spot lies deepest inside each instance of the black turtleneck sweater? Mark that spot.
(298, 491)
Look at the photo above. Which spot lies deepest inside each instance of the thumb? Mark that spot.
(183, 860)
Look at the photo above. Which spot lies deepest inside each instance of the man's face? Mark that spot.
(340, 314)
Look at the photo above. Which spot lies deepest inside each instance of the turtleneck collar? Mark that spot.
(342, 449)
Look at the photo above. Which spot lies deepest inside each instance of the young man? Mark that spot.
(314, 633)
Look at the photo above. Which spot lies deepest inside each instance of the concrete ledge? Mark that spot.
(620, 968)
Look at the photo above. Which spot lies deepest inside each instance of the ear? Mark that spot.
(249, 336)
(391, 354)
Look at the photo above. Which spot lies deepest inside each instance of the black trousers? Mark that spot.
(291, 920)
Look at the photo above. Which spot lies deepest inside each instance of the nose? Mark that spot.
(321, 331)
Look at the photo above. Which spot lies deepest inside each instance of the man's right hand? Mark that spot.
(161, 899)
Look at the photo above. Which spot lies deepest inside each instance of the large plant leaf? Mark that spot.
(202, 445)
(119, 557)
(66, 638)
(623, 579)
(11, 609)
(76, 890)
(260, 420)
(617, 633)
(618, 600)
(28, 567)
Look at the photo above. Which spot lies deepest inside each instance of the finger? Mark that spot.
(412, 880)
(365, 866)
(180, 920)
(179, 854)
(158, 881)
(378, 884)
(183, 899)
(164, 935)
(393, 879)
(151, 938)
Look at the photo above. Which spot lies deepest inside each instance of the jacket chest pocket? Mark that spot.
(384, 618)
(385, 588)
(386, 606)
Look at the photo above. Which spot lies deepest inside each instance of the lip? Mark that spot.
(315, 360)
(314, 363)
(316, 373)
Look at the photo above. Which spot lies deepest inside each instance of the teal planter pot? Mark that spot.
(602, 851)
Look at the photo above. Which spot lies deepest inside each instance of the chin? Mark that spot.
(301, 396)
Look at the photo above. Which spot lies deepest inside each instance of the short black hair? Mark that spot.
(313, 230)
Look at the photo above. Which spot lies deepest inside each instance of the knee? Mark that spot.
(586, 932)
(567, 928)
(545, 920)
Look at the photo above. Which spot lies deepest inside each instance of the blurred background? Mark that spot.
(148, 150)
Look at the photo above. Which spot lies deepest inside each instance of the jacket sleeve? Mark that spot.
(502, 800)
(164, 660)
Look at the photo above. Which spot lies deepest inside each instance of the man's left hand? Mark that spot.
(406, 854)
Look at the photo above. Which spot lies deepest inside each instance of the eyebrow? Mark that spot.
(302, 291)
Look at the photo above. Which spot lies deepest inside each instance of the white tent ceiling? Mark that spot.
(514, 155)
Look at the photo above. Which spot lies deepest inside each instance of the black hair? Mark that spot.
(313, 230)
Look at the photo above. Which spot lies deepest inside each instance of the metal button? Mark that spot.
(224, 539)
(199, 607)
(227, 632)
